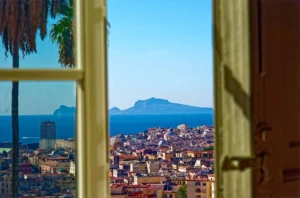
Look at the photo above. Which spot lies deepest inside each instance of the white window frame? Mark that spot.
(92, 166)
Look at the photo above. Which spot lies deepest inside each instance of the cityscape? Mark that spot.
(46, 169)
(158, 162)
(160, 146)
(163, 162)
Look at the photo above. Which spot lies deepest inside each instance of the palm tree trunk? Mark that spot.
(15, 127)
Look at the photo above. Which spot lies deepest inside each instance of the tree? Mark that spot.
(182, 191)
(36, 169)
(4, 165)
(4, 153)
(20, 21)
(62, 33)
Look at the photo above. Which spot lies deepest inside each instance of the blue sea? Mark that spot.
(126, 124)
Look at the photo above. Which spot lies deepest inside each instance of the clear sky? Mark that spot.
(158, 48)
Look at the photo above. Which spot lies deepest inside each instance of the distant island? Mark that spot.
(65, 111)
(148, 106)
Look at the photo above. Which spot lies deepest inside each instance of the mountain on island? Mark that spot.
(115, 110)
(149, 106)
(160, 106)
(65, 111)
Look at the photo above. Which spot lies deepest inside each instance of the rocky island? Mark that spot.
(65, 111)
(160, 106)
(148, 106)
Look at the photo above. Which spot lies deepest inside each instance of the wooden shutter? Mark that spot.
(276, 97)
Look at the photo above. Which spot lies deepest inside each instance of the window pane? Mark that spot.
(47, 45)
(46, 136)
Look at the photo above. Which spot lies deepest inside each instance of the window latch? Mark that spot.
(238, 163)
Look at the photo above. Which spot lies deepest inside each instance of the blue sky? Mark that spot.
(158, 48)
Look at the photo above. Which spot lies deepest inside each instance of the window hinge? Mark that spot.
(238, 163)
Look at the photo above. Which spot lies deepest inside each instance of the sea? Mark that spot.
(125, 124)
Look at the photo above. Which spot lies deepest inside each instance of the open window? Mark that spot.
(233, 92)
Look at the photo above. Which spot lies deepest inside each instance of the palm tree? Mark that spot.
(62, 33)
(20, 21)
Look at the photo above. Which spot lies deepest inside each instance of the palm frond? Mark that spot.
(63, 31)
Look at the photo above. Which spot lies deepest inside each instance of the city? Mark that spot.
(159, 162)
(45, 170)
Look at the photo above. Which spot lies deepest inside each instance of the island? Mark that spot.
(65, 111)
(148, 106)
(160, 106)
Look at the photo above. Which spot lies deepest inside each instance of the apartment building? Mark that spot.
(138, 167)
(211, 177)
(153, 167)
(200, 154)
(72, 168)
(5, 185)
(199, 188)
(66, 144)
(149, 179)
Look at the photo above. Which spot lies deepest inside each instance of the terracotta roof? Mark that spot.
(58, 158)
(51, 163)
(138, 186)
(39, 149)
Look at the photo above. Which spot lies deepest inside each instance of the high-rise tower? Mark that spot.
(48, 135)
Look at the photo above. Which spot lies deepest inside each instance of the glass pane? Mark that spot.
(161, 98)
(44, 35)
(46, 122)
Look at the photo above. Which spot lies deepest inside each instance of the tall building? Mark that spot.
(48, 135)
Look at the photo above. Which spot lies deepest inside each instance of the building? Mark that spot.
(149, 179)
(183, 127)
(211, 177)
(54, 167)
(48, 135)
(25, 168)
(167, 156)
(200, 154)
(65, 144)
(5, 185)
(170, 193)
(120, 173)
(138, 167)
(117, 191)
(72, 168)
(116, 160)
(153, 167)
(178, 180)
(199, 188)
